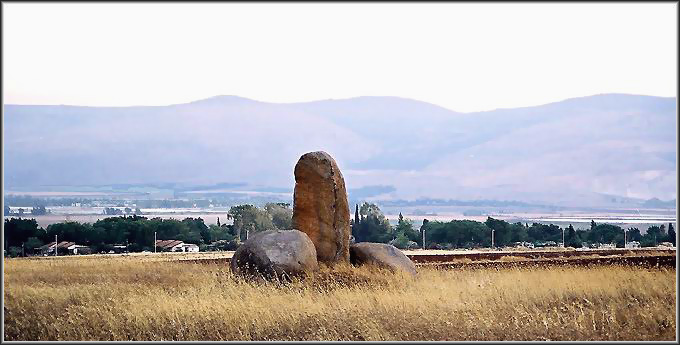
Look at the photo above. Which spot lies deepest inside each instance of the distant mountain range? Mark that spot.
(601, 150)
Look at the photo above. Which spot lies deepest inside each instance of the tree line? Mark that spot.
(369, 225)
(137, 232)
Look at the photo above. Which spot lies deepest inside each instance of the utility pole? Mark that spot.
(492, 231)
(563, 239)
(154, 241)
(423, 237)
(56, 245)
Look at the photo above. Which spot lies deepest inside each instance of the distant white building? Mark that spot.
(633, 244)
(189, 247)
(70, 247)
(78, 249)
(176, 246)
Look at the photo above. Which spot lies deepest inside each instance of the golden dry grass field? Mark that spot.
(138, 298)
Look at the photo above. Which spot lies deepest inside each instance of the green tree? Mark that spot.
(356, 228)
(221, 233)
(518, 232)
(18, 230)
(572, 238)
(373, 227)
(31, 244)
(671, 234)
(369, 209)
(14, 252)
(197, 232)
(502, 234)
(70, 231)
(456, 234)
(607, 233)
(112, 211)
(652, 237)
(405, 227)
(249, 218)
(633, 234)
(281, 215)
(401, 241)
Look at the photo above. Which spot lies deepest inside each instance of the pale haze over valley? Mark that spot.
(435, 102)
(568, 153)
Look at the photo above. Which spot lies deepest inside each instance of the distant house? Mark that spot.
(175, 246)
(50, 247)
(190, 247)
(169, 245)
(607, 246)
(633, 244)
(70, 247)
(119, 248)
(78, 249)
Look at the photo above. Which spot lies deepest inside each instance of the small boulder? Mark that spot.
(275, 255)
(381, 254)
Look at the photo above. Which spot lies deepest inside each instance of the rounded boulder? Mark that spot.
(275, 255)
(381, 254)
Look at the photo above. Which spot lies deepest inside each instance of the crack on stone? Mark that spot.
(339, 242)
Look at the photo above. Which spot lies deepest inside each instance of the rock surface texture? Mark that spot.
(320, 207)
(381, 254)
(275, 254)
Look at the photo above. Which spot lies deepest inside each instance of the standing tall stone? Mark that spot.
(320, 207)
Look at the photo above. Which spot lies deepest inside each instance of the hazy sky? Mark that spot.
(465, 57)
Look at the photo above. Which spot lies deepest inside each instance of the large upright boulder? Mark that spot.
(275, 254)
(383, 255)
(320, 207)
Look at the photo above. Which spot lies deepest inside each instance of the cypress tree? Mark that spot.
(671, 234)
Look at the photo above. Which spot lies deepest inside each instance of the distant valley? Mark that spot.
(610, 150)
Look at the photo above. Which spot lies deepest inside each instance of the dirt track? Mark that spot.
(536, 254)
(638, 257)
(655, 261)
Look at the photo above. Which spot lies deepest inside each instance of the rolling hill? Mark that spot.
(587, 151)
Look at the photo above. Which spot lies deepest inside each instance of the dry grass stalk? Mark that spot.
(127, 298)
